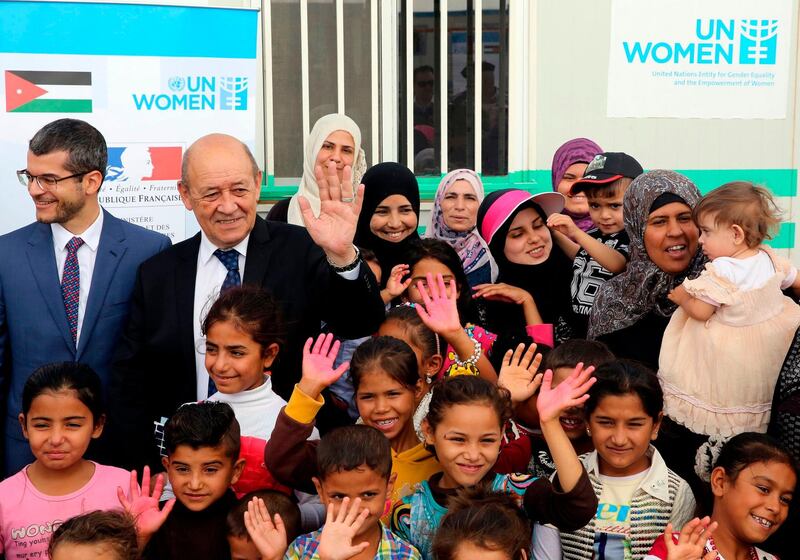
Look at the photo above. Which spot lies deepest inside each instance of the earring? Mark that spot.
(428, 379)
(588, 432)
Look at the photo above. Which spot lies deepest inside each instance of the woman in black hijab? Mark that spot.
(389, 215)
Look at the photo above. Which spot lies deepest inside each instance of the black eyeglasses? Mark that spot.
(44, 182)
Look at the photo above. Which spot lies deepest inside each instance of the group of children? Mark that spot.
(467, 443)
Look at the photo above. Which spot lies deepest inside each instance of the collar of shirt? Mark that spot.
(91, 236)
(207, 248)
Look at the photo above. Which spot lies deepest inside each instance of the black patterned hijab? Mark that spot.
(643, 287)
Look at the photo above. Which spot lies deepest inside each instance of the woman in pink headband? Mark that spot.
(533, 272)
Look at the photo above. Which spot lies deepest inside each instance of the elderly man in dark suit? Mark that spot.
(315, 273)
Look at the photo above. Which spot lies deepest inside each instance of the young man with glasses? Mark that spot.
(65, 280)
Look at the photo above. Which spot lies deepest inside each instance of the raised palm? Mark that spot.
(439, 309)
(335, 227)
(268, 536)
(570, 393)
(318, 371)
(143, 504)
(336, 540)
(519, 373)
(692, 540)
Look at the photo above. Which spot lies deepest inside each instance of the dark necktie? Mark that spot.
(71, 285)
(230, 259)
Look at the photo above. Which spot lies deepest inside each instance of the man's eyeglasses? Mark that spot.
(44, 182)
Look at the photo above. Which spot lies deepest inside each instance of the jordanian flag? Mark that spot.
(29, 91)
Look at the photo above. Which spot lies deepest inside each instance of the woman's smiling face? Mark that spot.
(671, 237)
(528, 240)
(394, 219)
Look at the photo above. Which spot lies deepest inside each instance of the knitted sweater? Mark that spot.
(662, 497)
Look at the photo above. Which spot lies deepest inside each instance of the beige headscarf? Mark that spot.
(308, 184)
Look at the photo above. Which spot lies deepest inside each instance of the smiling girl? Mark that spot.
(753, 483)
(62, 412)
(464, 428)
(388, 388)
(638, 495)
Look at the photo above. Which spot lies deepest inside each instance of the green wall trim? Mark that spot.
(782, 183)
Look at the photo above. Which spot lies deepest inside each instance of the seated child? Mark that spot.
(355, 482)
(62, 412)
(482, 524)
(110, 535)
(601, 252)
(562, 361)
(242, 545)
(202, 442)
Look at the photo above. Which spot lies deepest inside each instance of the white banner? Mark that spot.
(150, 96)
(699, 58)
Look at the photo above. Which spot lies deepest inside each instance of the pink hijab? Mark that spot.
(577, 150)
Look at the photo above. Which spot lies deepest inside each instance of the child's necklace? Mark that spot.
(713, 548)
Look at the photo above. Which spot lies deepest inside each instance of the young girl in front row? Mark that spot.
(62, 412)
(464, 428)
(638, 494)
(388, 387)
(734, 314)
(753, 482)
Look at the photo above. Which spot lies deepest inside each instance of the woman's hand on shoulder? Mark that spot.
(570, 393)
(318, 371)
(502, 292)
(519, 373)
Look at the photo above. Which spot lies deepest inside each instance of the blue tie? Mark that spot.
(230, 259)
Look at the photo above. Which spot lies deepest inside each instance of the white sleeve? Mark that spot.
(790, 278)
(546, 543)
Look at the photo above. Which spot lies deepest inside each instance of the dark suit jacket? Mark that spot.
(154, 370)
(33, 322)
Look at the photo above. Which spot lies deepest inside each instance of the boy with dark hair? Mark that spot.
(202, 443)
(355, 481)
(602, 252)
(241, 544)
(106, 534)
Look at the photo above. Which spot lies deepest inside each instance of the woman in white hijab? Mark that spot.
(335, 138)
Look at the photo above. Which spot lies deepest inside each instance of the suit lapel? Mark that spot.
(185, 279)
(258, 254)
(109, 254)
(41, 256)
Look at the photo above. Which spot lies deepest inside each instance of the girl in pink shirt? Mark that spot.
(61, 414)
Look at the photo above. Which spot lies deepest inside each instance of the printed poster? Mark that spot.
(699, 58)
(151, 78)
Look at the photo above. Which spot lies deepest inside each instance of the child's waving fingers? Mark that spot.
(531, 358)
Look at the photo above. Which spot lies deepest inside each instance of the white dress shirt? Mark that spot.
(87, 255)
(211, 274)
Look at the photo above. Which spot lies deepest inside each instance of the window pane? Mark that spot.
(358, 70)
(460, 87)
(427, 112)
(321, 59)
(287, 109)
(494, 101)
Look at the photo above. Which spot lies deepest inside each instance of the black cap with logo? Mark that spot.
(606, 168)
